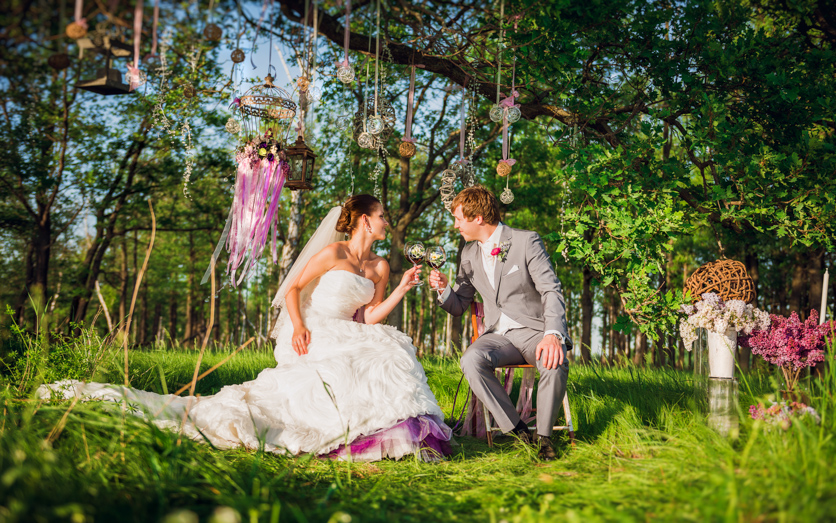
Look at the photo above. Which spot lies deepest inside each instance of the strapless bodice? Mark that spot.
(339, 294)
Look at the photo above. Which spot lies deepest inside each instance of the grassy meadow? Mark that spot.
(643, 453)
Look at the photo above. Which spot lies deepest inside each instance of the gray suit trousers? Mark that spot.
(515, 347)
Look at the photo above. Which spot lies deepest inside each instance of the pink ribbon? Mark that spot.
(137, 32)
(347, 30)
(133, 74)
(154, 28)
(509, 100)
(509, 161)
(407, 135)
(77, 14)
(410, 140)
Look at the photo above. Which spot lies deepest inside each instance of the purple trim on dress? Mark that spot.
(422, 433)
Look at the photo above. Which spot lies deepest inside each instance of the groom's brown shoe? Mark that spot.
(546, 452)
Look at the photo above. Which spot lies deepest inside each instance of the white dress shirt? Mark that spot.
(505, 323)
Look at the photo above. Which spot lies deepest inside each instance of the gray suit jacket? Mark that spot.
(530, 295)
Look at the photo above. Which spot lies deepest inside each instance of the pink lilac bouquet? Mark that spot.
(790, 343)
(782, 414)
(714, 314)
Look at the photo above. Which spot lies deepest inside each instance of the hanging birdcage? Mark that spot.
(263, 108)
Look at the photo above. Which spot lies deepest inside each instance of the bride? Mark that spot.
(344, 384)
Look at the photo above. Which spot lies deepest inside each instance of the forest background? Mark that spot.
(655, 137)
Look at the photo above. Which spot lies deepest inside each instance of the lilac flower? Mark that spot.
(782, 414)
(716, 315)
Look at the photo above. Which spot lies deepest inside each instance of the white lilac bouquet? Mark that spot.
(716, 315)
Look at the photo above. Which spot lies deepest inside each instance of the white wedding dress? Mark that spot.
(359, 390)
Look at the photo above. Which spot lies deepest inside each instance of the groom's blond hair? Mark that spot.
(477, 201)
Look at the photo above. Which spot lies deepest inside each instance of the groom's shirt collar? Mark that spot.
(493, 241)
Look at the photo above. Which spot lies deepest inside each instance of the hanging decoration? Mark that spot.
(105, 41)
(78, 27)
(263, 113)
(211, 31)
(345, 72)
(371, 132)
(407, 146)
(505, 164)
(59, 61)
(134, 77)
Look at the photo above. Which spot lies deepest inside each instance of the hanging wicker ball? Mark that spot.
(406, 149)
(303, 83)
(238, 56)
(727, 278)
(503, 169)
(75, 30)
(189, 91)
(59, 61)
(212, 32)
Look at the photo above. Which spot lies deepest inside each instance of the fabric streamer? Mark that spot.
(407, 134)
(154, 28)
(253, 218)
(506, 104)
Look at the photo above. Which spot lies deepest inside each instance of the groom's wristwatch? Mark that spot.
(557, 334)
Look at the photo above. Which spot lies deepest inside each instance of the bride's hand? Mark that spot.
(300, 340)
(408, 281)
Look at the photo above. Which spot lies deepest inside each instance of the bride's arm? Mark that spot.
(321, 263)
(379, 308)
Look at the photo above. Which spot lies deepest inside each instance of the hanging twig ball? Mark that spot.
(59, 61)
(189, 91)
(727, 278)
(75, 30)
(503, 169)
(406, 149)
(212, 32)
(238, 56)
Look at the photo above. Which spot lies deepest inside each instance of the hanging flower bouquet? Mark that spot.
(790, 343)
(715, 315)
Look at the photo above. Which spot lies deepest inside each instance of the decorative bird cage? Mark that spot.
(301, 159)
(265, 108)
(727, 278)
(104, 41)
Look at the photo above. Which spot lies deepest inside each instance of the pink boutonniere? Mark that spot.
(501, 251)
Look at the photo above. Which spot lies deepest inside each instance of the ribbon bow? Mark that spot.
(509, 161)
(509, 101)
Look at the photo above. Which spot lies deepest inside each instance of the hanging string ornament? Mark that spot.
(407, 146)
(134, 77)
(59, 61)
(448, 189)
(265, 113)
(345, 72)
(78, 27)
(503, 168)
(212, 32)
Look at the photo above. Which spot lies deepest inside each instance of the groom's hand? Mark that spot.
(551, 350)
(438, 280)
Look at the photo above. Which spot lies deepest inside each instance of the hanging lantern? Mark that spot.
(363, 119)
(108, 80)
(59, 61)
(232, 127)
(237, 56)
(301, 159)
(212, 32)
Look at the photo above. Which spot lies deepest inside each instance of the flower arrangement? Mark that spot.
(435, 257)
(261, 148)
(501, 251)
(790, 343)
(781, 414)
(716, 315)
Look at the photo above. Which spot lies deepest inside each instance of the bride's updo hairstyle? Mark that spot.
(353, 209)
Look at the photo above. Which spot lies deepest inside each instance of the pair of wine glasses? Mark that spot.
(416, 253)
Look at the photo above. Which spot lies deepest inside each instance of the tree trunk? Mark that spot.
(586, 316)
(798, 296)
(396, 270)
(172, 313)
(142, 327)
(123, 280)
(37, 270)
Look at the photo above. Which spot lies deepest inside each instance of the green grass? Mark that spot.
(643, 453)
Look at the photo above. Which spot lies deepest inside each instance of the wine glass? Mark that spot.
(414, 252)
(436, 258)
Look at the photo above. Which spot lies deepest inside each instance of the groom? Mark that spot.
(525, 316)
